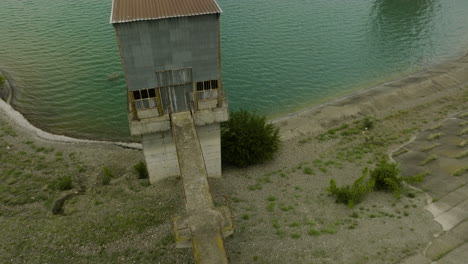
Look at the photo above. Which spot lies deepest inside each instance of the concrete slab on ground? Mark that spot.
(442, 245)
(457, 256)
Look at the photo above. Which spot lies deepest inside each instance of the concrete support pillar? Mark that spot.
(160, 155)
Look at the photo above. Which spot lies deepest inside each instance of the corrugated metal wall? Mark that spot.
(157, 45)
(176, 90)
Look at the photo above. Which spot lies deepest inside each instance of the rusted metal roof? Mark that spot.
(136, 10)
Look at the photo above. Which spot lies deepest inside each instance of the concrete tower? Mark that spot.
(170, 50)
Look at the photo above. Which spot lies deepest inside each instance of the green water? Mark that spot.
(277, 56)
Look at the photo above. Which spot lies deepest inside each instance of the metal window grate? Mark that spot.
(207, 90)
(145, 99)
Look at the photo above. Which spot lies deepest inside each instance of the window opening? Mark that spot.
(145, 98)
(207, 90)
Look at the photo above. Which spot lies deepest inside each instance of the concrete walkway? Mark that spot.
(203, 226)
(447, 185)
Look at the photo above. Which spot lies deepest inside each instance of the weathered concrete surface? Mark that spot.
(160, 155)
(449, 190)
(417, 259)
(203, 225)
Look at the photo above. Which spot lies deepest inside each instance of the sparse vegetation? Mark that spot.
(463, 132)
(462, 154)
(141, 170)
(308, 170)
(434, 136)
(247, 139)
(61, 183)
(463, 143)
(429, 159)
(431, 147)
(387, 178)
(352, 194)
(460, 171)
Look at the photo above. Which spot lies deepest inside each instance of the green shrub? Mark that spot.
(248, 139)
(368, 122)
(387, 177)
(141, 170)
(61, 183)
(2, 79)
(106, 176)
(352, 194)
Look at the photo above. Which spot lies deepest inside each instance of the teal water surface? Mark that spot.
(278, 56)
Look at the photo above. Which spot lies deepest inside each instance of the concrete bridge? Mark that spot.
(204, 226)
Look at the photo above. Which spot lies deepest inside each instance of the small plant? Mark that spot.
(463, 132)
(400, 152)
(434, 136)
(431, 147)
(294, 224)
(460, 171)
(308, 170)
(368, 122)
(271, 198)
(352, 194)
(314, 232)
(463, 143)
(141, 170)
(429, 159)
(270, 207)
(106, 176)
(328, 230)
(462, 154)
(62, 183)
(2, 79)
(386, 177)
(295, 235)
(247, 139)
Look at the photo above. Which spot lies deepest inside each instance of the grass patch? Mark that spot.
(428, 160)
(295, 235)
(352, 194)
(328, 230)
(434, 136)
(463, 143)
(400, 152)
(271, 198)
(463, 132)
(308, 170)
(431, 147)
(62, 183)
(141, 170)
(314, 232)
(462, 154)
(460, 171)
(270, 207)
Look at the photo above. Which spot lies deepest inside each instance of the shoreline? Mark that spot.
(360, 102)
(19, 120)
(291, 124)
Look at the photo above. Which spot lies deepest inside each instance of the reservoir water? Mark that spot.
(277, 56)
